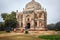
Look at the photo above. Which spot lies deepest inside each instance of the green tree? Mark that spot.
(10, 20)
(51, 27)
(1, 26)
(57, 26)
(10, 24)
(4, 15)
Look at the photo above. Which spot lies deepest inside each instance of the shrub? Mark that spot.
(26, 32)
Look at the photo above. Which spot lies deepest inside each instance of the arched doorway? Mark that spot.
(28, 25)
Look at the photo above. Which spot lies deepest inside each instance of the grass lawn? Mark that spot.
(50, 37)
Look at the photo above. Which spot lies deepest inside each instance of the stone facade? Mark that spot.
(34, 15)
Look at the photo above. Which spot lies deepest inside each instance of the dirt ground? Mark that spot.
(33, 35)
(36, 33)
(18, 36)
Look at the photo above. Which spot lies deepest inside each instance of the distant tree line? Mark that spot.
(9, 23)
(55, 27)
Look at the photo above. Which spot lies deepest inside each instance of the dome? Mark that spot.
(33, 5)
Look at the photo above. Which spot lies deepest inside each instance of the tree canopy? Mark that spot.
(57, 26)
(9, 19)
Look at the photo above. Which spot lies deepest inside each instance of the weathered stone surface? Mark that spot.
(34, 14)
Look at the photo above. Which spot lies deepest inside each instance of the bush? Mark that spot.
(8, 31)
(26, 32)
(1, 28)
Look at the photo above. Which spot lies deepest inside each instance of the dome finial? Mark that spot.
(33, 0)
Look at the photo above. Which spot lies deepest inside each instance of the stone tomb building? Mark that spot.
(34, 15)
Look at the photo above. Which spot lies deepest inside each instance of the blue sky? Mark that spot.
(52, 7)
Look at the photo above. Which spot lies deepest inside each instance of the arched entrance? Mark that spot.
(28, 25)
